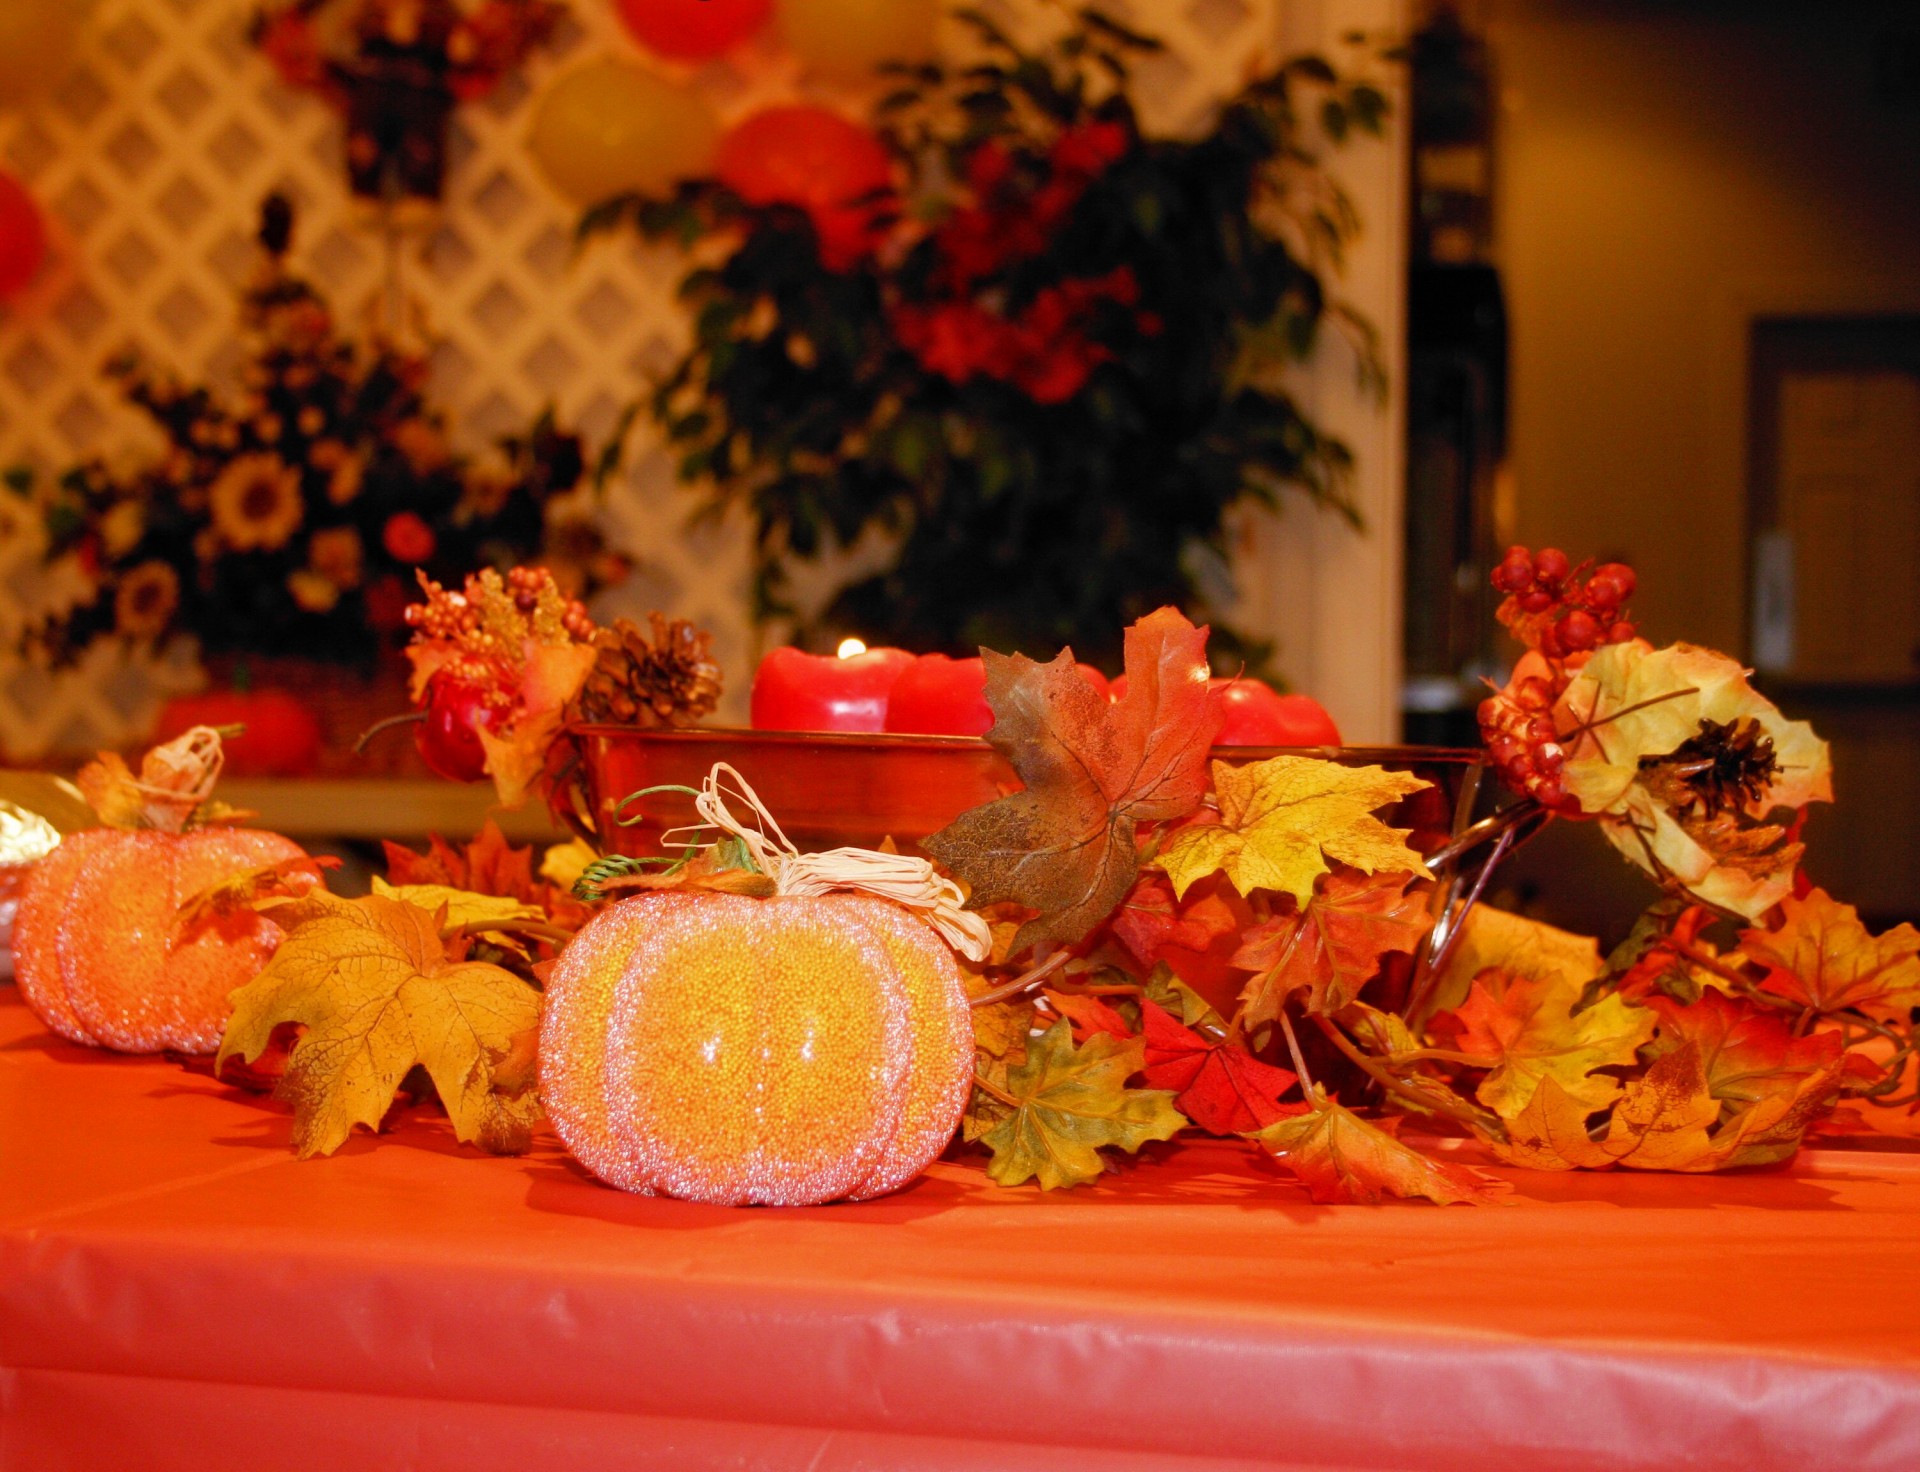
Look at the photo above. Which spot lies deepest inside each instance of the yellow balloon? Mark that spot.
(847, 39)
(36, 43)
(610, 128)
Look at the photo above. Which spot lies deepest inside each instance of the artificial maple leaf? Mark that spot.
(1220, 1086)
(1150, 920)
(1330, 947)
(1660, 1122)
(370, 982)
(1649, 962)
(1746, 1053)
(1000, 1029)
(1526, 1031)
(1340, 1158)
(1771, 1128)
(1822, 957)
(1067, 1104)
(255, 889)
(1383, 1033)
(1283, 819)
(1093, 771)
(1500, 940)
(488, 865)
(1090, 1016)
(1629, 719)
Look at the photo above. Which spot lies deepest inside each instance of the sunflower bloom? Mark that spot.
(255, 503)
(145, 601)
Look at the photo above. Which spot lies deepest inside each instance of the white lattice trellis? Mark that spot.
(150, 158)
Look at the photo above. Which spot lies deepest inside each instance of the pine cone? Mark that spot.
(668, 679)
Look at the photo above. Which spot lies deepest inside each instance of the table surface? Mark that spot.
(172, 1279)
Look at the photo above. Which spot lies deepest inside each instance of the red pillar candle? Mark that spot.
(1259, 715)
(938, 696)
(797, 691)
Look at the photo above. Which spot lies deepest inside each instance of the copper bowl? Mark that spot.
(830, 789)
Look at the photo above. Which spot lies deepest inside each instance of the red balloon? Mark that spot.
(817, 160)
(692, 30)
(23, 237)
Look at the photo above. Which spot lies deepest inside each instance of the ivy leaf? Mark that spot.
(1331, 947)
(1069, 1103)
(1282, 819)
(370, 982)
(1219, 1086)
(1341, 1158)
(1822, 957)
(1528, 1032)
(1094, 772)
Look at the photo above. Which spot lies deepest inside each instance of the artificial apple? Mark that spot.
(1258, 715)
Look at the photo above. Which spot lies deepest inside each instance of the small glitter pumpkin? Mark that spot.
(98, 948)
(741, 1051)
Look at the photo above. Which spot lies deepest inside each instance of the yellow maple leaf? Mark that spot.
(1283, 819)
(1340, 1157)
(1526, 1029)
(1659, 1123)
(459, 908)
(1499, 939)
(370, 982)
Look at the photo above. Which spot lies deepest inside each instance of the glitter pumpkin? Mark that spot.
(99, 948)
(740, 1051)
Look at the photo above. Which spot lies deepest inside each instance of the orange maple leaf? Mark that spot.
(1340, 1157)
(1150, 921)
(1822, 957)
(1334, 946)
(1746, 1053)
(1094, 772)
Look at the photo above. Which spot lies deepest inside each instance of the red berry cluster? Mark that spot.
(484, 630)
(1561, 609)
(1562, 613)
(1523, 742)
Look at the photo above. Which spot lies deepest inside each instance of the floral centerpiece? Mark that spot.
(290, 519)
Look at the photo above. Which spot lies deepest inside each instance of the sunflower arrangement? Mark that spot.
(291, 518)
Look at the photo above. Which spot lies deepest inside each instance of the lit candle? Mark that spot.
(845, 691)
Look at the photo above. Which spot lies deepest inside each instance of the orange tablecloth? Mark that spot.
(177, 1291)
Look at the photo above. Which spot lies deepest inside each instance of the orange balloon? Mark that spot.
(23, 237)
(776, 1052)
(97, 947)
(683, 30)
(846, 39)
(814, 159)
(610, 128)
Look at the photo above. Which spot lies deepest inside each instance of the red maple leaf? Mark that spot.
(1220, 1086)
(1094, 772)
(1089, 1015)
(1746, 1052)
(1150, 921)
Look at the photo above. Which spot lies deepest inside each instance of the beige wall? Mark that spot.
(1664, 171)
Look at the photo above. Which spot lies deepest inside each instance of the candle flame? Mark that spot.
(850, 647)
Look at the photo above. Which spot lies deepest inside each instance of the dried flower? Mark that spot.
(146, 600)
(337, 554)
(255, 502)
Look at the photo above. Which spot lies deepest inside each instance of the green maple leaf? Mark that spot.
(370, 981)
(1069, 1103)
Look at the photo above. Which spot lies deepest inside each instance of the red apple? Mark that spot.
(797, 691)
(1258, 715)
(938, 696)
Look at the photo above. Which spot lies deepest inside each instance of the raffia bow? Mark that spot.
(905, 880)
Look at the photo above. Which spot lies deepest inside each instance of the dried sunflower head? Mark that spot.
(662, 676)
